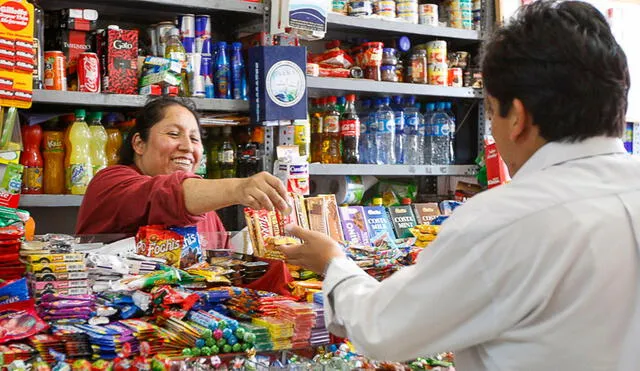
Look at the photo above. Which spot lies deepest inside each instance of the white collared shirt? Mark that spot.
(538, 274)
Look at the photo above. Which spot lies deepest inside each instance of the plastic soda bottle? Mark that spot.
(98, 144)
(31, 159)
(331, 152)
(53, 154)
(114, 140)
(80, 170)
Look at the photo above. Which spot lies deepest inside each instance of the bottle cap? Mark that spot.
(350, 97)
(80, 113)
(377, 201)
(406, 201)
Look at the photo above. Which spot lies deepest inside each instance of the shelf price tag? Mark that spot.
(17, 55)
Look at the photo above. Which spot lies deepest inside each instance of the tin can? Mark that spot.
(360, 8)
(187, 26)
(386, 8)
(203, 26)
(162, 33)
(429, 14)
(196, 78)
(88, 73)
(152, 31)
(455, 77)
(436, 51)
(438, 73)
(55, 71)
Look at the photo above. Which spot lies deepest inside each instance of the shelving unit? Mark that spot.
(338, 22)
(237, 6)
(393, 170)
(50, 200)
(321, 86)
(131, 101)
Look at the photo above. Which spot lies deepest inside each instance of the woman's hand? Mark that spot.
(315, 253)
(262, 191)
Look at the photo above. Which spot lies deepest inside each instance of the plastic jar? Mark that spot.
(373, 73)
(419, 72)
(389, 57)
(388, 73)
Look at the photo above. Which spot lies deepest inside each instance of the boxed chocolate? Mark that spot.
(354, 225)
(77, 19)
(118, 54)
(317, 222)
(378, 222)
(403, 220)
(425, 213)
(332, 218)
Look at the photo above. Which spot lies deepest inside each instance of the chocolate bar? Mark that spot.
(425, 213)
(354, 225)
(378, 222)
(403, 219)
(315, 207)
(332, 218)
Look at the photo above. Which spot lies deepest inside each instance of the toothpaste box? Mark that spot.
(354, 225)
(378, 222)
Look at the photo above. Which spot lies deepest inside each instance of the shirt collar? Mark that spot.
(554, 153)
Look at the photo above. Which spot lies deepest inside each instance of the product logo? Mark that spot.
(121, 44)
(286, 84)
(76, 46)
(14, 16)
(90, 66)
(77, 174)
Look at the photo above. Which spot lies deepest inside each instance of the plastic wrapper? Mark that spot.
(155, 241)
(19, 320)
(191, 250)
(334, 58)
(333, 72)
(13, 291)
(393, 192)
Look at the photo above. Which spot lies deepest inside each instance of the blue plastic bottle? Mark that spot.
(222, 78)
(399, 115)
(365, 107)
(237, 72)
(386, 134)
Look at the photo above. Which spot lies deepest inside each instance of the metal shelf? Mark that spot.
(27, 201)
(392, 170)
(319, 86)
(338, 21)
(122, 100)
(200, 5)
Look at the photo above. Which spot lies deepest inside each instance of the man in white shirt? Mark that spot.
(538, 274)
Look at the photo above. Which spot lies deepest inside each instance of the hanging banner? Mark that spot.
(16, 53)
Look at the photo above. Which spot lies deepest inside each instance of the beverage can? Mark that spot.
(455, 77)
(428, 14)
(203, 26)
(162, 34)
(55, 71)
(436, 51)
(88, 73)
(187, 25)
(438, 73)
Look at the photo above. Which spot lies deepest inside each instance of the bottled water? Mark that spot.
(441, 143)
(363, 148)
(431, 107)
(372, 128)
(414, 134)
(452, 117)
(385, 135)
(398, 113)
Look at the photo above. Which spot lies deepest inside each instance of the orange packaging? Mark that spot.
(455, 77)
(156, 242)
(53, 153)
(497, 172)
(55, 71)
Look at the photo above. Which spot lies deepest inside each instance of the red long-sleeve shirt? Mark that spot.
(120, 199)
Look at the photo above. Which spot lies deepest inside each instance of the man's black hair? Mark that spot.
(563, 62)
(152, 113)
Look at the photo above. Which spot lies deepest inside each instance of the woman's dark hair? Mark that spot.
(147, 117)
(562, 61)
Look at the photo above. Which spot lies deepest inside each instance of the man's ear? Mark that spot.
(520, 121)
(138, 144)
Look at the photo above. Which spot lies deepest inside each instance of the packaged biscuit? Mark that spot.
(354, 225)
(425, 213)
(332, 218)
(155, 241)
(191, 249)
(55, 258)
(56, 267)
(403, 220)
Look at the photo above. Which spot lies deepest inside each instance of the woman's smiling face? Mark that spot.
(174, 144)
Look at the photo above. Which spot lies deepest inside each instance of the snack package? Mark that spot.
(315, 207)
(19, 320)
(393, 192)
(378, 223)
(354, 225)
(403, 220)
(332, 219)
(13, 291)
(155, 241)
(191, 250)
(425, 213)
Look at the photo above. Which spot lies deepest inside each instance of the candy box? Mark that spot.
(51, 285)
(315, 207)
(425, 213)
(71, 291)
(54, 258)
(56, 267)
(354, 225)
(403, 219)
(378, 222)
(60, 276)
(118, 53)
(332, 219)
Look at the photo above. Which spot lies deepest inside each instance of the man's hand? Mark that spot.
(262, 191)
(315, 253)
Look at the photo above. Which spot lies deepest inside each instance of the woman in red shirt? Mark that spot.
(155, 181)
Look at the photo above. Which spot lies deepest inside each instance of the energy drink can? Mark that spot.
(187, 27)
